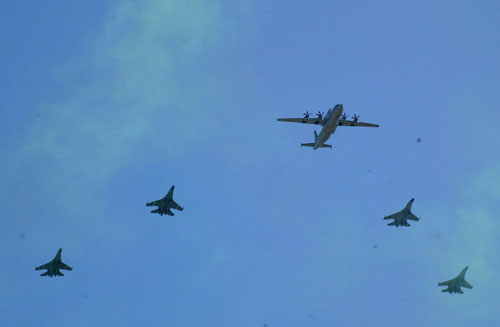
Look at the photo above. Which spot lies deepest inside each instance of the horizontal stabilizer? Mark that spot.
(392, 224)
(45, 274)
(311, 145)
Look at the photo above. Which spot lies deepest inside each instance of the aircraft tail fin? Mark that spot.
(311, 145)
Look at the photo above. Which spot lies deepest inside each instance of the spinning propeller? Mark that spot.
(343, 117)
(306, 114)
(320, 115)
(355, 118)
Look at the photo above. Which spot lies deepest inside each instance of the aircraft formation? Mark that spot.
(329, 122)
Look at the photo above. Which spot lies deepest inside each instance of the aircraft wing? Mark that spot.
(447, 283)
(154, 203)
(170, 194)
(412, 217)
(176, 206)
(64, 266)
(393, 216)
(466, 285)
(352, 123)
(45, 266)
(303, 121)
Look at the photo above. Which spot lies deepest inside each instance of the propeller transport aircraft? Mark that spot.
(333, 118)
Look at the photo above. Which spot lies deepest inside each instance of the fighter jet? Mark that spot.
(333, 118)
(54, 266)
(164, 205)
(456, 283)
(401, 217)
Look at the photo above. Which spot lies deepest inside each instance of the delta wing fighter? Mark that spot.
(54, 266)
(456, 283)
(164, 205)
(401, 217)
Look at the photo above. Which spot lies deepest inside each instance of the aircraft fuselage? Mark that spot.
(332, 121)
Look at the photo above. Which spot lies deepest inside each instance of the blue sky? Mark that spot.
(107, 104)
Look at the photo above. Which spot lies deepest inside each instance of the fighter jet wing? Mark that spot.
(393, 216)
(314, 121)
(64, 266)
(154, 203)
(45, 266)
(412, 217)
(352, 123)
(466, 285)
(170, 194)
(447, 283)
(176, 206)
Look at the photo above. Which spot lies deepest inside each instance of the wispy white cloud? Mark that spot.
(471, 239)
(141, 82)
(139, 75)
